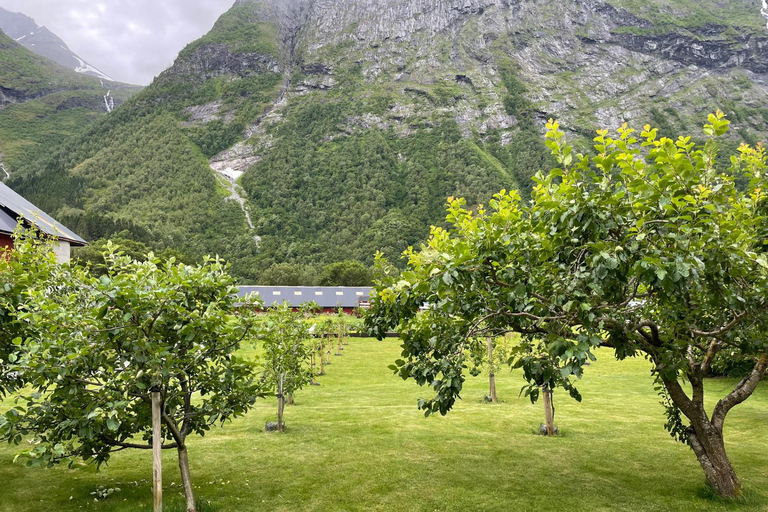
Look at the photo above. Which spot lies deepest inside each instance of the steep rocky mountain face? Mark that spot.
(43, 103)
(40, 40)
(339, 127)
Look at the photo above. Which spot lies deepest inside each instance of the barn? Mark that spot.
(330, 298)
(14, 207)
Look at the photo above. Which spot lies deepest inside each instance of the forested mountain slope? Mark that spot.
(43, 103)
(353, 120)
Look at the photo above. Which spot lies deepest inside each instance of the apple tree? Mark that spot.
(644, 246)
(100, 349)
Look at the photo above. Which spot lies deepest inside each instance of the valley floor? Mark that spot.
(357, 442)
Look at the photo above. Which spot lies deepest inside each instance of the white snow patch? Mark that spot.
(231, 174)
(84, 67)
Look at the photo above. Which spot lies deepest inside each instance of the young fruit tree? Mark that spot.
(490, 357)
(287, 350)
(341, 330)
(646, 246)
(310, 311)
(105, 350)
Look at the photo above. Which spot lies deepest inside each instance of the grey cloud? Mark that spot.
(130, 40)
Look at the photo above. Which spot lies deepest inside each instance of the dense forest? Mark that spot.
(352, 139)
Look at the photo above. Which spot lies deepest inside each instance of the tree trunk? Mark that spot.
(280, 404)
(338, 346)
(549, 415)
(328, 351)
(312, 367)
(157, 450)
(492, 376)
(707, 443)
(186, 479)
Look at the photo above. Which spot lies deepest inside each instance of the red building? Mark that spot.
(329, 298)
(13, 208)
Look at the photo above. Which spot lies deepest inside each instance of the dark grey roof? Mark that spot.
(15, 206)
(7, 223)
(325, 296)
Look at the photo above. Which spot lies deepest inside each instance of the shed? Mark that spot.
(330, 298)
(14, 207)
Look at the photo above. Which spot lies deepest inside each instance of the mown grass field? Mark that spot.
(357, 442)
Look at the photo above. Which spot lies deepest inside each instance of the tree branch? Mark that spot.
(123, 445)
(722, 330)
(741, 392)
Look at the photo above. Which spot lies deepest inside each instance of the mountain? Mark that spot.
(312, 131)
(43, 103)
(40, 40)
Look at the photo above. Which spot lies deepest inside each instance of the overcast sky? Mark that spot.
(130, 40)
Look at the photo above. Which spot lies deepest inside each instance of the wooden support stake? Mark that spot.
(157, 451)
(492, 378)
(548, 414)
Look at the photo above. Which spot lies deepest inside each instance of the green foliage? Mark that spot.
(323, 196)
(287, 348)
(526, 154)
(151, 183)
(242, 31)
(142, 172)
(674, 425)
(356, 420)
(93, 255)
(515, 102)
(101, 346)
(693, 14)
(33, 75)
(643, 245)
(49, 103)
(732, 363)
(345, 273)
(30, 264)
(289, 274)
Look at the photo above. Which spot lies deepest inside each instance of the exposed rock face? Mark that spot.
(587, 62)
(217, 59)
(339, 126)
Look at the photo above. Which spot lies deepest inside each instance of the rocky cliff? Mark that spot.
(340, 126)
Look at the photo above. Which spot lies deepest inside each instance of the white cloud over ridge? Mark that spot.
(130, 40)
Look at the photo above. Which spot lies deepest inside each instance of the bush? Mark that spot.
(732, 363)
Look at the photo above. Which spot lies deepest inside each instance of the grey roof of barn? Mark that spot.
(325, 296)
(13, 206)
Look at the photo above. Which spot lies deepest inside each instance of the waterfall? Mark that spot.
(764, 12)
(109, 101)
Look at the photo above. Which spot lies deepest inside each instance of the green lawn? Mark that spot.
(357, 442)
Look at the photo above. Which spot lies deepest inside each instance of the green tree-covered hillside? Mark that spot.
(306, 133)
(43, 103)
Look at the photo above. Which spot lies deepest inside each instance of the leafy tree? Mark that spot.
(289, 274)
(345, 273)
(643, 247)
(287, 349)
(102, 346)
(94, 253)
(31, 263)
(491, 358)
